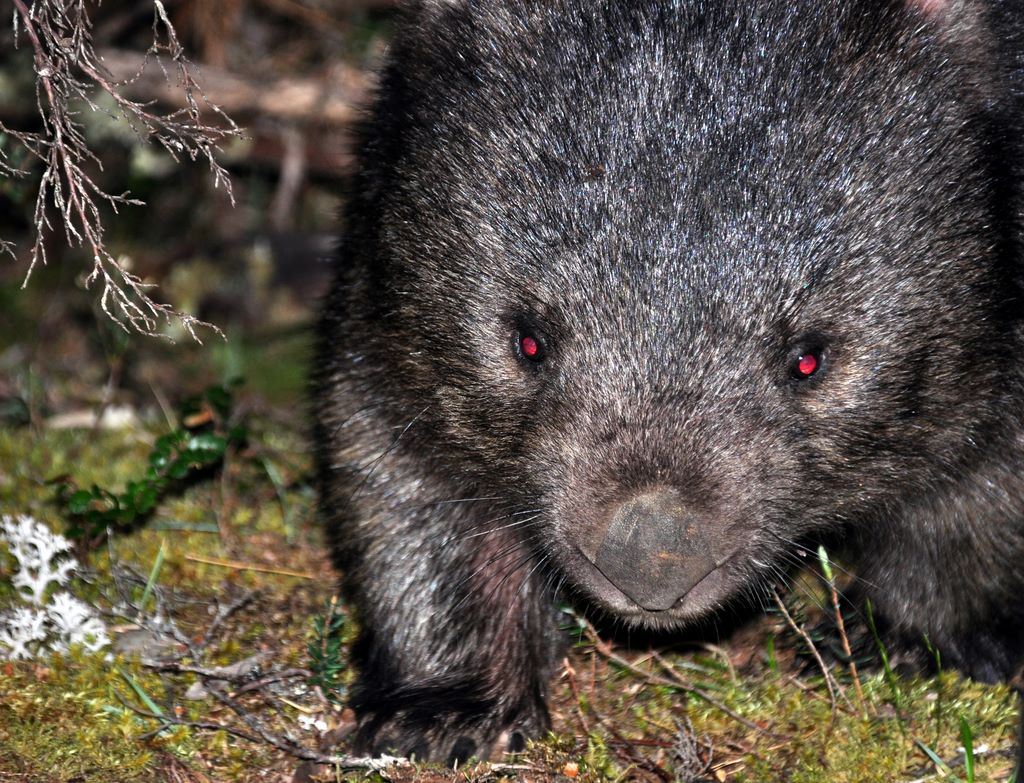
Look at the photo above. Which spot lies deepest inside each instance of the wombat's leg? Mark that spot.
(458, 638)
(949, 570)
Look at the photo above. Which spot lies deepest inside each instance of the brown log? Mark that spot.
(331, 100)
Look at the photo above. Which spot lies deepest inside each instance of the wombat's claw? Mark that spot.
(414, 745)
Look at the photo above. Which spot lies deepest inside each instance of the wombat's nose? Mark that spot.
(653, 550)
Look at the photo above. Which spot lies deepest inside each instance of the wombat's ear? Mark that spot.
(962, 24)
(952, 12)
(930, 8)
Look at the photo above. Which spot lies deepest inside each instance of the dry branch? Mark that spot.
(69, 72)
(223, 683)
(674, 681)
(830, 681)
(332, 100)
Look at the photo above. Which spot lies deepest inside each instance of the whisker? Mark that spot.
(494, 558)
(519, 590)
(376, 462)
(494, 588)
(498, 519)
(348, 419)
(813, 553)
(510, 525)
(508, 574)
(462, 500)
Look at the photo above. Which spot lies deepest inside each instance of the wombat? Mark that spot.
(636, 300)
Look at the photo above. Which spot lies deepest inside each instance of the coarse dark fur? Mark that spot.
(676, 200)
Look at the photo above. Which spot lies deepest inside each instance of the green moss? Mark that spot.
(65, 718)
(61, 719)
(29, 460)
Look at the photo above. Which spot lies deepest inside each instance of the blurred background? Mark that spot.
(293, 75)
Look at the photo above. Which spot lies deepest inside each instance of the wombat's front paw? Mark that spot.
(448, 738)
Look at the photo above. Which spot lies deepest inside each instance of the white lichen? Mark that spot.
(40, 554)
(21, 628)
(74, 622)
(43, 560)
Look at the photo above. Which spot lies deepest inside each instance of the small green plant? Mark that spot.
(326, 656)
(826, 569)
(773, 661)
(967, 738)
(206, 434)
(890, 675)
(934, 652)
(941, 766)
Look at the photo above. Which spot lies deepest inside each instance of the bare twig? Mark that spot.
(570, 675)
(676, 682)
(225, 611)
(330, 100)
(261, 736)
(237, 565)
(293, 175)
(226, 673)
(830, 683)
(693, 754)
(68, 69)
(223, 683)
(845, 640)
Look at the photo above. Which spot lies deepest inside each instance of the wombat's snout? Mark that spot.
(653, 549)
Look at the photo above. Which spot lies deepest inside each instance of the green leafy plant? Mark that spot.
(890, 676)
(941, 766)
(772, 659)
(179, 456)
(967, 738)
(326, 655)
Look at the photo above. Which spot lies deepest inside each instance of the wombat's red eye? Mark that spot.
(530, 347)
(806, 364)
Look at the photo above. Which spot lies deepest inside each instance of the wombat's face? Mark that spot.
(690, 306)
